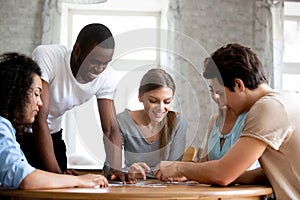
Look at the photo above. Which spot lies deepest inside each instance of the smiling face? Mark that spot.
(157, 103)
(35, 101)
(93, 64)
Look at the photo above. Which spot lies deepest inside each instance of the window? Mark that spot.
(291, 58)
(85, 145)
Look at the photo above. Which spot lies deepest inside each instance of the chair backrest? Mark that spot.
(189, 154)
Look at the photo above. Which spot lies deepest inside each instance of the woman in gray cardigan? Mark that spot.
(154, 133)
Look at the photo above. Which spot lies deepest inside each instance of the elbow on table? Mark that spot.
(223, 180)
(25, 185)
(32, 181)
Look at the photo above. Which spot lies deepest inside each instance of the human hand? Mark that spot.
(138, 170)
(113, 174)
(178, 179)
(167, 170)
(71, 172)
(92, 180)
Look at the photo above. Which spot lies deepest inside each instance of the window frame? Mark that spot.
(75, 146)
(291, 68)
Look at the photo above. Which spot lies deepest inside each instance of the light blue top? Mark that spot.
(214, 151)
(14, 165)
(138, 149)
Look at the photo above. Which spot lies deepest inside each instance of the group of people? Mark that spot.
(254, 138)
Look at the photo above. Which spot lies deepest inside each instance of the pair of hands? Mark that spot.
(165, 170)
(136, 171)
(168, 171)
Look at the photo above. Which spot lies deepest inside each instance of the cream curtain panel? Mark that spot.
(268, 38)
(51, 17)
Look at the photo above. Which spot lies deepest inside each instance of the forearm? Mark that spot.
(113, 149)
(39, 179)
(209, 172)
(44, 144)
(43, 139)
(221, 172)
(192, 171)
(111, 133)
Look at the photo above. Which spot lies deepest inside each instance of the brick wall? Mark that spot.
(20, 25)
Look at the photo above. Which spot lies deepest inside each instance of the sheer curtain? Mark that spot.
(51, 17)
(277, 10)
(268, 38)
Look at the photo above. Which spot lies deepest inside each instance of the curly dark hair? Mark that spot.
(16, 77)
(235, 61)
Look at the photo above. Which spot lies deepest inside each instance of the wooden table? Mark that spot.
(144, 190)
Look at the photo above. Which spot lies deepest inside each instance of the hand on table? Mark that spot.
(138, 170)
(167, 170)
(92, 180)
(113, 174)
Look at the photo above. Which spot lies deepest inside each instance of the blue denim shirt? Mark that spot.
(14, 165)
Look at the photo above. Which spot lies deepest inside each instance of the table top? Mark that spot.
(150, 189)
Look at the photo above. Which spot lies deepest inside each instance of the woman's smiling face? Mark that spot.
(157, 103)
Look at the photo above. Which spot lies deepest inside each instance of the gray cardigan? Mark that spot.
(137, 149)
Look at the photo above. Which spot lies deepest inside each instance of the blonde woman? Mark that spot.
(154, 133)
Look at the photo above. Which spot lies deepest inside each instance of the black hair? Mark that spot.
(16, 77)
(95, 34)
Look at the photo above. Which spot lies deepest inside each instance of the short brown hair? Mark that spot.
(235, 61)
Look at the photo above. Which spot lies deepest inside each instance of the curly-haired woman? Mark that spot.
(20, 100)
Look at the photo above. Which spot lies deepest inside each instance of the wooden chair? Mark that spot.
(189, 154)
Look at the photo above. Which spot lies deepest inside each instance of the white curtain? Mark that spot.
(268, 38)
(277, 10)
(51, 17)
